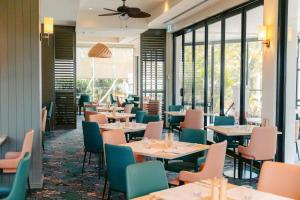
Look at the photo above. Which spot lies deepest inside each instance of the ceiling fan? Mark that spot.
(125, 12)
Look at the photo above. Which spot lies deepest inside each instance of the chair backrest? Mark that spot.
(153, 107)
(27, 144)
(18, 189)
(150, 118)
(175, 108)
(145, 178)
(128, 108)
(297, 126)
(263, 143)
(112, 99)
(114, 137)
(99, 118)
(92, 138)
(214, 163)
(119, 102)
(117, 159)
(134, 110)
(84, 98)
(50, 110)
(139, 116)
(194, 119)
(224, 120)
(198, 136)
(89, 112)
(280, 179)
(44, 120)
(154, 130)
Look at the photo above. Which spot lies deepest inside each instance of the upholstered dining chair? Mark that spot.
(43, 128)
(84, 98)
(150, 118)
(117, 159)
(18, 189)
(297, 137)
(144, 178)
(154, 130)
(99, 118)
(190, 162)
(49, 115)
(174, 121)
(93, 143)
(12, 159)
(193, 119)
(262, 146)
(89, 112)
(280, 179)
(213, 166)
(139, 116)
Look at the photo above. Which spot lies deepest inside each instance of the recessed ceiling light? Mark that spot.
(90, 8)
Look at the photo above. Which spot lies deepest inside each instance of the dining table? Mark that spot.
(109, 109)
(159, 149)
(203, 190)
(118, 116)
(183, 113)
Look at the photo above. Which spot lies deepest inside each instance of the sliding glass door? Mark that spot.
(217, 60)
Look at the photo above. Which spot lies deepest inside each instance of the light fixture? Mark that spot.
(123, 16)
(48, 28)
(100, 51)
(90, 8)
(263, 35)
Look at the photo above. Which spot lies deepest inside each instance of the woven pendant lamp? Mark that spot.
(100, 51)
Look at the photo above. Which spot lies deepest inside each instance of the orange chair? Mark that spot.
(213, 166)
(99, 118)
(193, 119)
(43, 128)
(87, 113)
(11, 161)
(280, 179)
(262, 146)
(154, 130)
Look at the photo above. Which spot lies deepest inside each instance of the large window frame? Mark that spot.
(221, 17)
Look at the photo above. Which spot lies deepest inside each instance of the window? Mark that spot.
(232, 65)
(214, 67)
(254, 52)
(100, 77)
(199, 67)
(188, 72)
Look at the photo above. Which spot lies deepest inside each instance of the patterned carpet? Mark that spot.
(62, 164)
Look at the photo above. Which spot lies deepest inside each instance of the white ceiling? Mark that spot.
(91, 28)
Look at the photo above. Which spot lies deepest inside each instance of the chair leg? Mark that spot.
(251, 164)
(83, 161)
(99, 165)
(90, 157)
(104, 188)
(109, 194)
(49, 124)
(297, 150)
(43, 145)
(234, 166)
(28, 184)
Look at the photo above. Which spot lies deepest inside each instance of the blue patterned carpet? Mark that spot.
(62, 164)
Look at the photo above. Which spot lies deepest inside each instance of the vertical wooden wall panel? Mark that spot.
(20, 79)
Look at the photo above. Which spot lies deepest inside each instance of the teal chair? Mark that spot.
(49, 115)
(134, 110)
(232, 142)
(190, 162)
(117, 159)
(139, 116)
(145, 178)
(18, 189)
(112, 99)
(150, 118)
(84, 98)
(93, 142)
(174, 121)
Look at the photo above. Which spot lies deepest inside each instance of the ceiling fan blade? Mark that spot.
(141, 14)
(110, 10)
(108, 14)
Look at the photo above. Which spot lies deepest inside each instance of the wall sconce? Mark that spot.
(263, 35)
(48, 28)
